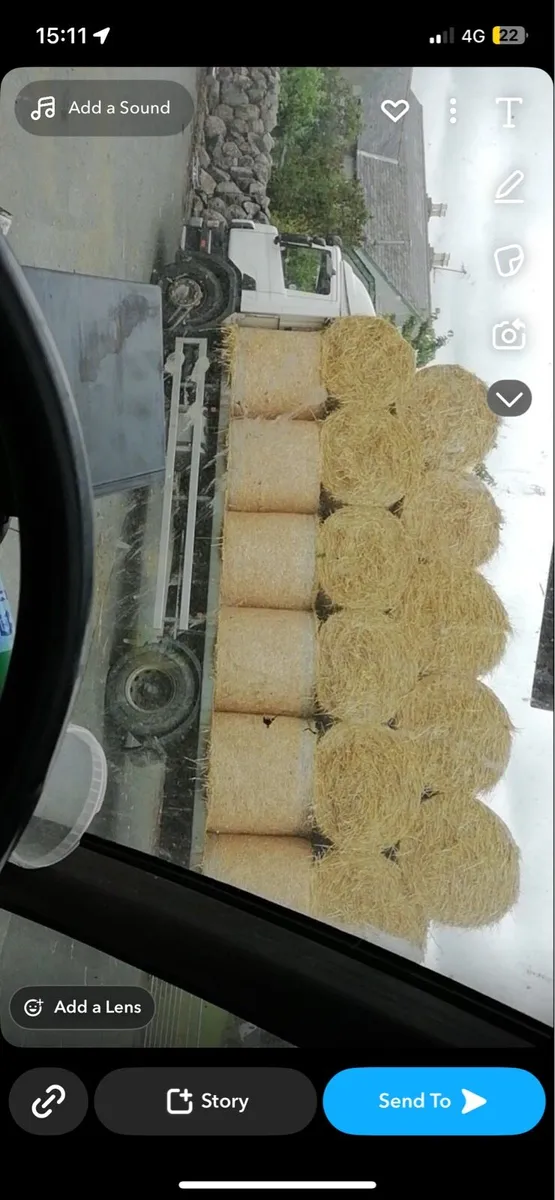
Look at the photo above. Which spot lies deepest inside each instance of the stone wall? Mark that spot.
(233, 153)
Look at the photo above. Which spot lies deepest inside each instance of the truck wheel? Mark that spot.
(154, 690)
(194, 295)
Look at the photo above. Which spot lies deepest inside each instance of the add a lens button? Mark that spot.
(434, 1101)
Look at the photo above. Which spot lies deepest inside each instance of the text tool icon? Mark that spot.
(509, 111)
(45, 105)
(471, 1101)
(102, 35)
(504, 193)
(395, 109)
(508, 260)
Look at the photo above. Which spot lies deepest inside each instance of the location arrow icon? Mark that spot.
(102, 35)
(471, 1101)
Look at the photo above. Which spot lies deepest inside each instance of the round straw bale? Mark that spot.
(364, 559)
(365, 360)
(266, 662)
(273, 466)
(277, 868)
(455, 619)
(460, 863)
(365, 667)
(357, 885)
(453, 517)
(368, 784)
(260, 775)
(464, 731)
(368, 458)
(446, 408)
(269, 560)
(274, 372)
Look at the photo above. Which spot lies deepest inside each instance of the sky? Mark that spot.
(465, 163)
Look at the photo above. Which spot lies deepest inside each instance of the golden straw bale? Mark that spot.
(453, 517)
(277, 868)
(364, 559)
(274, 372)
(368, 458)
(365, 666)
(260, 774)
(446, 408)
(356, 885)
(464, 730)
(269, 560)
(365, 361)
(454, 618)
(368, 784)
(266, 662)
(460, 863)
(273, 466)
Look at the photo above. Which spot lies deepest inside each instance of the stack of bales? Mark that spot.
(412, 737)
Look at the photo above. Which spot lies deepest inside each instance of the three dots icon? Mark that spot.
(453, 111)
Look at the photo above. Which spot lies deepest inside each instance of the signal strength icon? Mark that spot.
(448, 35)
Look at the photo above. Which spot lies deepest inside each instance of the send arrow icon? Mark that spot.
(471, 1101)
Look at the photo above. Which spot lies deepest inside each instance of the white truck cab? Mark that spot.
(299, 280)
(255, 275)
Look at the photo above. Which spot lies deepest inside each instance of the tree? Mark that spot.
(421, 334)
(301, 97)
(318, 122)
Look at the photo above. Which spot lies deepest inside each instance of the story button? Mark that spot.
(220, 1101)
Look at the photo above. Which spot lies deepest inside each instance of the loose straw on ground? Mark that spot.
(356, 885)
(460, 863)
(265, 662)
(277, 868)
(273, 466)
(260, 775)
(368, 785)
(366, 665)
(368, 458)
(453, 517)
(269, 560)
(365, 361)
(364, 559)
(274, 372)
(446, 409)
(454, 618)
(464, 731)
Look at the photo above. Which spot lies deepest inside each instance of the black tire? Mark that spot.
(154, 690)
(197, 287)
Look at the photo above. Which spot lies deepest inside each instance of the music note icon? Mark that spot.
(46, 105)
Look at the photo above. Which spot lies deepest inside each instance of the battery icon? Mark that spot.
(509, 35)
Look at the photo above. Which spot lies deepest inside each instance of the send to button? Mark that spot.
(434, 1101)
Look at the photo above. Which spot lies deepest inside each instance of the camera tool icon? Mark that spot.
(179, 1102)
(509, 335)
(33, 1008)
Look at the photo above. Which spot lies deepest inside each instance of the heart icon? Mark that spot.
(395, 109)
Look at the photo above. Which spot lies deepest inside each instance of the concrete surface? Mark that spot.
(103, 207)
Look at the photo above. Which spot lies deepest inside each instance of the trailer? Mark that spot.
(159, 692)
